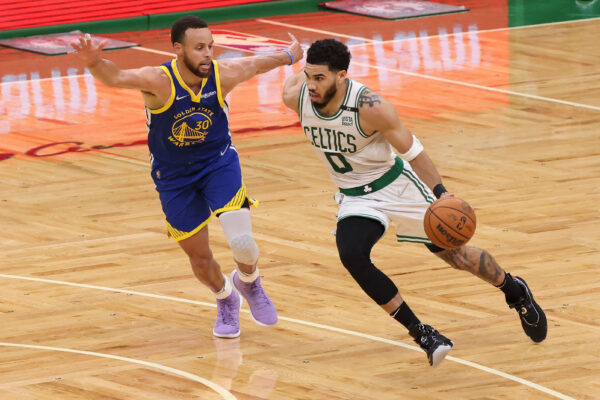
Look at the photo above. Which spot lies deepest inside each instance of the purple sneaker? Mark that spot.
(227, 324)
(262, 309)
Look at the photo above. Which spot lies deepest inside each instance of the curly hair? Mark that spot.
(183, 24)
(330, 52)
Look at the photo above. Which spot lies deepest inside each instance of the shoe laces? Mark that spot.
(527, 311)
(259, 293)
(225, 311)
(256, 292)
(426, 336)
(525, 307)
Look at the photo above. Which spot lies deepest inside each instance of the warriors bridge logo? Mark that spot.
(191, 126)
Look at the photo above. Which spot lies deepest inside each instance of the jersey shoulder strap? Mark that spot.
(349, 108)
(353, 104)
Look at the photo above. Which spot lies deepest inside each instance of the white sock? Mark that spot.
(246, 277)
(225, 290)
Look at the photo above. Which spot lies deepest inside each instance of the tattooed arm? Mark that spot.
(377, 114)
(477, 261)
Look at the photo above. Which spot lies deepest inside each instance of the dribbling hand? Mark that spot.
(87, 52)
(446, 195)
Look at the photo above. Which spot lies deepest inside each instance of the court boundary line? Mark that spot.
(173, 371)
(414, 74)
(266, 21)
(509, 28)
(449, 81)
(369, 42)
(467, 84)
(485, 88)
(471, 364)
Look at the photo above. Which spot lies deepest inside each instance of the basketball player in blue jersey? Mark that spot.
(195, 166)
(353, 130)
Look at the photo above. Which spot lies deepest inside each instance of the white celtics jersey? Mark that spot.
(352, 157)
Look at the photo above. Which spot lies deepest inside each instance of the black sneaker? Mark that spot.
(533, 319)
(434, 343)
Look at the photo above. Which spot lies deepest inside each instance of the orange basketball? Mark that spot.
(450, 223)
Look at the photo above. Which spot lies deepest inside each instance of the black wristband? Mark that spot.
(438, 190)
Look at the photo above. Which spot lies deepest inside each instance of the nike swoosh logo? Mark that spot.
(181, 97)
(223, 152)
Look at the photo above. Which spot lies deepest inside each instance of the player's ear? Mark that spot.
(341, 75)
(178, 47)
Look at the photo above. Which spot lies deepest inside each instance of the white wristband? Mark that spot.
(414, 150)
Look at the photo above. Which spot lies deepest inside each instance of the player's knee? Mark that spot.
(354, 258)
(238, 231)
(244, 248)
(354, 255)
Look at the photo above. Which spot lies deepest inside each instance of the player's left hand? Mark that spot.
(86, 51)
(446, 195)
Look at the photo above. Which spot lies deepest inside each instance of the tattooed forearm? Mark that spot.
(368, 97)
(456, 258)
(477, 261)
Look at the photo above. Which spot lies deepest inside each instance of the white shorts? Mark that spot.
(403, 202)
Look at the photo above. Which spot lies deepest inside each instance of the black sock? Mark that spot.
(511, 289)
(405, 316)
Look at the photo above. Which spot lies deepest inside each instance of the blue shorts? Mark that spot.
(189, 194)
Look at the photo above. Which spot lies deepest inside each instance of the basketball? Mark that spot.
(449, 223)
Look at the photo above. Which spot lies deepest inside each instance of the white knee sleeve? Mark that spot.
(238, 231)
(244, 249)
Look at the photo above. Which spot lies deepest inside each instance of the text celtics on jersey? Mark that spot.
(330, 139)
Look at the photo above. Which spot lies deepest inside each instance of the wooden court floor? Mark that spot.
(97, 303)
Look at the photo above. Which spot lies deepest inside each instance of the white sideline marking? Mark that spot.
(266, 21)
(308, 323)
(217, 388)
(434, 78)
(489, 89)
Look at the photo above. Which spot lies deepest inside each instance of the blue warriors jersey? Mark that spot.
(189, 128)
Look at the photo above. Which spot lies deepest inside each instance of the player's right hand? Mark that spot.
(86, 51)
(295, 49)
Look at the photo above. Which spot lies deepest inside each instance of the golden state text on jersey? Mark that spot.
(190, 127)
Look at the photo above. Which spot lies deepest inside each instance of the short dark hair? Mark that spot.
(183, 24)
(330, 52)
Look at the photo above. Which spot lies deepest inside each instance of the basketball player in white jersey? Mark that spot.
(353, 131)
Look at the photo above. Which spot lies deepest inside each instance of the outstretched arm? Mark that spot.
(146, 79)
(235, 71)
(377, 114)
